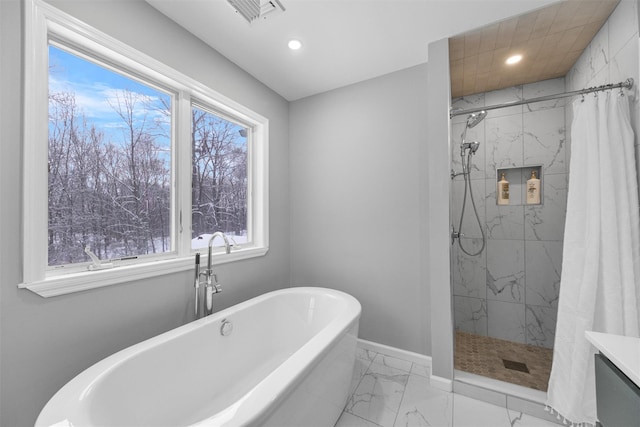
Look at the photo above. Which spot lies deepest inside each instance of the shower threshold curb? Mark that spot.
(511, 396)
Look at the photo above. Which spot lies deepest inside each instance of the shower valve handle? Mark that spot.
(455, 235)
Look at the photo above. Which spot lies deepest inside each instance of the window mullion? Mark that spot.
(259, 178)
(183, 173)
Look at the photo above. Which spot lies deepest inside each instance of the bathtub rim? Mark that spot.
(71, 399)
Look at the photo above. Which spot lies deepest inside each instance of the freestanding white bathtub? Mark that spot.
(287, 361)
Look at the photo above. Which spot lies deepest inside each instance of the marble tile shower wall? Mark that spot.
(612, 57)
(510, 291)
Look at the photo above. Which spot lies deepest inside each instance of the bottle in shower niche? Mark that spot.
(533, 189)
(503, 190)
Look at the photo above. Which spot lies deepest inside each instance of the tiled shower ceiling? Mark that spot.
(549, 39)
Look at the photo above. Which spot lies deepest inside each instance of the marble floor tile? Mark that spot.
(392, 362)
(468, 412)
(418, 369)
(378, 396)
(518, 419)
(364, 358)
(350, 420)
(360, 367)
(364, 354)
(391, 397)
(423, 405)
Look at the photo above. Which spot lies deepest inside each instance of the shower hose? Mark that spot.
(466, 173)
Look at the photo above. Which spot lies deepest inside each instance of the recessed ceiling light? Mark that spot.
(513, 59)
(295, 44)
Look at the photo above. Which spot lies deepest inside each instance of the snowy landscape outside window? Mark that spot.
(219, 179)
(109, 163)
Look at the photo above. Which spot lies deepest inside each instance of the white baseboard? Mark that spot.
(418, 358)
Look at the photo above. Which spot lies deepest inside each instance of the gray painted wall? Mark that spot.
(358, 204)
(46, 342)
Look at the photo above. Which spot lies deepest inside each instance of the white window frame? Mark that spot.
(42, 22)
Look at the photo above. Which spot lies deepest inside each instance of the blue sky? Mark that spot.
(95, 86)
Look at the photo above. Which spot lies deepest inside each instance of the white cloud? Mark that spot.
(97, 101)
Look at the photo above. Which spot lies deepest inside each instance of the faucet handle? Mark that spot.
(234, 245)
(217, 287)
(209, 292)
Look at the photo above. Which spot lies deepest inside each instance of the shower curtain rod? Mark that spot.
(627, 84)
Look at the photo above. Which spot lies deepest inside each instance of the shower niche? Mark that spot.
(522, 187)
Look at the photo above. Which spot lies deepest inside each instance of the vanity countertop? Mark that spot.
(624, 352)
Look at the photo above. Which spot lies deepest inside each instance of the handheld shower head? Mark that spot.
(471, 146)
(475, 118)
(472, 121)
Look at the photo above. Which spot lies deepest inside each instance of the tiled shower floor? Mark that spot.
(484, 356)
(391, 392)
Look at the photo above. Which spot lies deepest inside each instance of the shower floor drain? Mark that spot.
(515, 366)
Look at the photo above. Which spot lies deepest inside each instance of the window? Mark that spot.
(109, 163)
(131, 160)
(219, 178)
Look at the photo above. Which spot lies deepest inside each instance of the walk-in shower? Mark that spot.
(505, 300)
(506, 294)
(467, 150)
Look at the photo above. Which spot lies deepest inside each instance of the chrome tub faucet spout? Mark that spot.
(227, 248)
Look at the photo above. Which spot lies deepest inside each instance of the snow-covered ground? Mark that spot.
(202, 241)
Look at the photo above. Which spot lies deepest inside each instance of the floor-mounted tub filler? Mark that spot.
(284, 358)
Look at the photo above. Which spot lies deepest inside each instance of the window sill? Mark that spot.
(82, 281)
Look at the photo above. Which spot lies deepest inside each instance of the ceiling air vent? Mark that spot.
(253, 10)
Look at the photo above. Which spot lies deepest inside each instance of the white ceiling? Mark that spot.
(344, 41)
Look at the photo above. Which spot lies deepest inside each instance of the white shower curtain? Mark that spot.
(599, 288)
